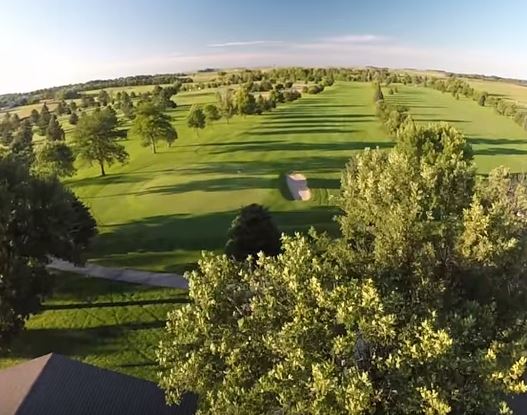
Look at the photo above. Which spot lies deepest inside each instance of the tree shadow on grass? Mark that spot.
(199, 232)
(79, 342)
(497, 141)
(98, 304)
(494, 151)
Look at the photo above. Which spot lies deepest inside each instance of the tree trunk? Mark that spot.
(153, 146)
(101, 163)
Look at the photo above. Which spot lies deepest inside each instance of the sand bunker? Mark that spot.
(297, 184)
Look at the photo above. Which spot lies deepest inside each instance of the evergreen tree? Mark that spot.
(73, 118)
(55, 159)
(34, 117)
(251, 232)
(378, 96)
(54, 132)
(44, 119)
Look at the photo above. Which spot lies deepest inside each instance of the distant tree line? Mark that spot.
(74, 91)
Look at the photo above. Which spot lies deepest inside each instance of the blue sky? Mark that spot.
(47, 43)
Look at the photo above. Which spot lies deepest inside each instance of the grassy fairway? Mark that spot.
(160, 211)
(112, 325)
(497, 140)
(506, 90)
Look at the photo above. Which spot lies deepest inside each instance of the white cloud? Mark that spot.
(245, 43)
(356, 38)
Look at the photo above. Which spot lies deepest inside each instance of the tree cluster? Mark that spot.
(392, 116)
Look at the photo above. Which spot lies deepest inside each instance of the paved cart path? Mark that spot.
(155, 279)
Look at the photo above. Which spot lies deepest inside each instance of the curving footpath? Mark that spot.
(154, 279)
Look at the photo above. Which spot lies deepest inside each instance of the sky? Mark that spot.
(48, 43)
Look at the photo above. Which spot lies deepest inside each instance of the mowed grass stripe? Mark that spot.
(159, 211)
(496, 139)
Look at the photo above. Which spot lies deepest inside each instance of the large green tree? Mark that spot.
(39, 218)
(226, 104)
(55, 158)
(151, 125)
(196, 118)
(418, 308)
(95, 139)
(251, 232)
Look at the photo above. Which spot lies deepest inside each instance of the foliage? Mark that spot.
(38, 218)
(226, 104)
(419, 308)
(151, 125)
(94, 139)
(378, 95)
(54, 132)
(55, 158)
(73, 119)
(392, 116)
(196, 118)
(314, 89)
(251, 232)
(212, 113)
(244, 101)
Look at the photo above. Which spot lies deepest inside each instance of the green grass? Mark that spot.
(159, 211)
(506, 90)
(496, 139)
(108, 324)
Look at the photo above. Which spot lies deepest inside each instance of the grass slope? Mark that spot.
(497, 140)
(108, 324)
(159, 211)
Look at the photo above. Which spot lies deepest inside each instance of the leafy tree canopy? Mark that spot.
(94, 139)
(38, 218)
(418, 308)
(151, 125)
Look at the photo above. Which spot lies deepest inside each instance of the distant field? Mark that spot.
(160, 211)
(25, 110)
(505, 90)
(113, 325)
(496, 139)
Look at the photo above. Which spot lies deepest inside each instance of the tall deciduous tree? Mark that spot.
(94, 139)
(418, 308)
(196, 118)
(212, 113)
(226, 104)
(151, 125)
(38, 218)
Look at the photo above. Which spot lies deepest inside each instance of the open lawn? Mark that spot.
(108, 324)
(159, 211)
(496, 139)
(506, 90)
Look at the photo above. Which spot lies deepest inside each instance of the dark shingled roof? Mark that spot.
(55, 385)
